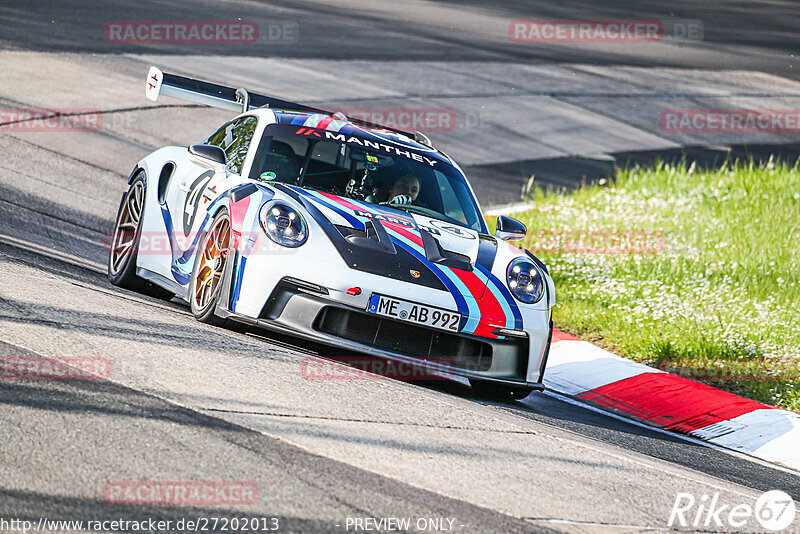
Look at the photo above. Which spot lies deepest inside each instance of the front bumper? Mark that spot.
(306, 311)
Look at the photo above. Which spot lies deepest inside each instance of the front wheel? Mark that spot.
(209, 270)
(500, 392)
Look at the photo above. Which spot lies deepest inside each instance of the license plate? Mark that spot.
(414, 313)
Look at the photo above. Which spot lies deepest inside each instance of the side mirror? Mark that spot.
(209, 152)
(510, 229)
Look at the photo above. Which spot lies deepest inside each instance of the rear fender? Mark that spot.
(134, 173)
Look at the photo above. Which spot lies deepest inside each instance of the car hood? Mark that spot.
(419, 244)
(346, 212)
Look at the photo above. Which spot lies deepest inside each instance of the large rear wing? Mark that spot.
(239, 100)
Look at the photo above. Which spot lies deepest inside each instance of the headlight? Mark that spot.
(525, 280)
(283, 224)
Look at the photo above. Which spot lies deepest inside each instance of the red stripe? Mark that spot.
(404, 231)
(321, 125)
(492, 314)
(238, 212)
(472, 282)
(671, 401)
(339, 200)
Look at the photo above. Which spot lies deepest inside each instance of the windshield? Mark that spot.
(374, 172)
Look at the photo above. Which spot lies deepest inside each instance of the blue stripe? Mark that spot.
(484, 275)
(189, 254)
(501, 288)
(347, 215)
(183, 260)
(461, 303)
(237, 280)
(180, 276)
(474, 317)
(467, 312)
(508, 308)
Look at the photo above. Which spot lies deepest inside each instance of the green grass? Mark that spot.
(718, 299)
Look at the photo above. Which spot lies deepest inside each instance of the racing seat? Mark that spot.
(281, 160)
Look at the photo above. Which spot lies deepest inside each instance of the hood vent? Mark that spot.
(436, 254)
(373, 236)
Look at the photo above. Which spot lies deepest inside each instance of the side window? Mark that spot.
(236, 151)
(222, 137)
(279, 159)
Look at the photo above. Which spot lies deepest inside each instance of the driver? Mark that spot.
(404, 191)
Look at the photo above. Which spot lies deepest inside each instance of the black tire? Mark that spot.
(124, 246)
(500, 392)
(203, 296)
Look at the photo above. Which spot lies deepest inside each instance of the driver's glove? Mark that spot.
(399, 200)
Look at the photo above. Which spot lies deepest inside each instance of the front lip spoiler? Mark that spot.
(276, 326)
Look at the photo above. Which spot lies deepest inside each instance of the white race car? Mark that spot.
(293, 219)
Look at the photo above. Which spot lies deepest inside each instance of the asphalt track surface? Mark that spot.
(188, 402)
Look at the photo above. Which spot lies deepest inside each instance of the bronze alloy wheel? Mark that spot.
(124, 249)
(127, 224)
(212, 262)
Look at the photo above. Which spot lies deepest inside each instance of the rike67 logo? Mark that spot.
(774, 511)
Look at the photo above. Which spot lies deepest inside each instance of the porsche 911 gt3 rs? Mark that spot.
(295, 219)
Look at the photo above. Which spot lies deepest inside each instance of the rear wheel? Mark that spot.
(500, 392)
(125, 243)
(209, 269)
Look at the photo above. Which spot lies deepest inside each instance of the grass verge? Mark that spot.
(692, 271)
